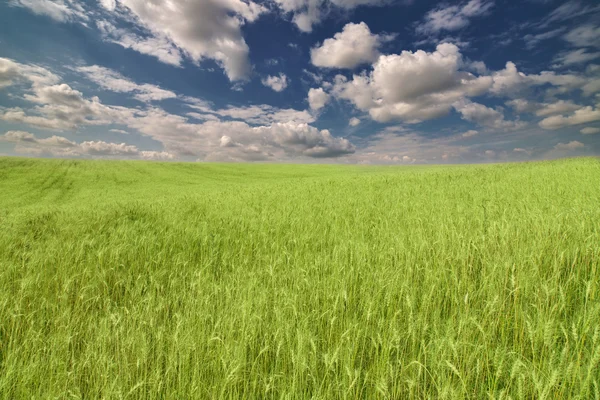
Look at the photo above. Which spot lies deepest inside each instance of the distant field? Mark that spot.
(178, 281)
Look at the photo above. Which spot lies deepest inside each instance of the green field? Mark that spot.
(141, 280)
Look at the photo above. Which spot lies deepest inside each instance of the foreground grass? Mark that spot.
(147, 280)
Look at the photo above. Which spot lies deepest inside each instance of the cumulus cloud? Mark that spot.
(201, 29)
(109, 4)
(571, 146)
(277, 83)
(581, 116)
(485, 116)
(12, 72)
(27, 143)
(523, 105)
(255, 115)
(354, 46)
(306, 140)
(513, 83)
(543, 109)
(306, 13)
(317, 98)
(590, 130)
(9, 72)
(59, 106)
(559, 107)
(113, 81)
(259, 132)
(412, 86)
(354, 121)
(453, 17)
(522, 151)
(277, 141)
(470, 133)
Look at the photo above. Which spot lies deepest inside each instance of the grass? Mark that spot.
(131, 280)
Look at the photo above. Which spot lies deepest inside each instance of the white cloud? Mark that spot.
(412, 86)
(307, 13)
(12, 72)
(543, 109)
(277, 83)
(108, 4)
(485, 116)
(407, 148)
(584, 36)
(590, 130)
(113, 81)
(59, 10)
(510, 82)
(571, 146)
(453, 17)
(60, 108)
(28, 143)
(581, 116)
(315, 77)
(317, 98)
(100, 148)
(354, 46)
(259, 114)
(302, 139)
(354, 121)
(523, 105)
(559, 107)
(201, 29)
(522, 150)
(531, 40)
(569, 10)
(160, 47)
(156, 155)
(9, 72)
(279, 135)
(470, 133)
(574, 57)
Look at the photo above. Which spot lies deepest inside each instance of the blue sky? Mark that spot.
(345, 81)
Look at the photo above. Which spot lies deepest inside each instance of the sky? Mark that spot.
(302, 81)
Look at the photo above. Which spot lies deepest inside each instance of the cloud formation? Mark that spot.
(581, 116)
(453, 17)
(259, 132)
(277, 83)
(27, 143)
(412, 86)
(198, 29)
(317, 98)
(354, 46)
(58, 10)
(113, 81)
(306, 13)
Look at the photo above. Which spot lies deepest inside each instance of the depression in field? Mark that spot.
(300, 199)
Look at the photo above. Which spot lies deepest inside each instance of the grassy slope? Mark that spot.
(149, 280)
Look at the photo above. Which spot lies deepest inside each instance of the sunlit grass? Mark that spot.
(149, 280)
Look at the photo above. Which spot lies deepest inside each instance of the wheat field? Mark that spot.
(140, 280)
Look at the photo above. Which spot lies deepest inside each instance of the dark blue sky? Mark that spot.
(349, 81)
